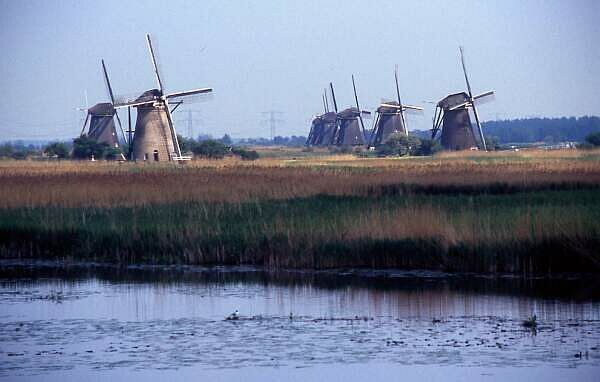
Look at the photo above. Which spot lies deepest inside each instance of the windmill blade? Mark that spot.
(189, 92)
(374, 131)
(485, 94)
(172, 128)
(437, 121)
(390, 105)
(333, 97)
(365, 112)
(460, 106)
(397, 86)
(121, 126)
(362, 123)
(134, 103)
(326, 102)
(400, 101)
(107, 81)
(483, 143)
(112, 99)
(87, 117)
(158, 81)
(410, 107)
(462, 60)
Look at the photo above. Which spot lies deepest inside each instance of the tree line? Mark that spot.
(548, 130)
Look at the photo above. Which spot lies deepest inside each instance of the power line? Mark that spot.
(273, 120)
(190, 120)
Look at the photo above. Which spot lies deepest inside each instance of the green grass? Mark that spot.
(522, 232)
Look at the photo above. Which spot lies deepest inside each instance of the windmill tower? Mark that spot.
(315, 136)
(155, 136)
(350, 127)
(101, 116)
(101, 124)
(390, 118)
(453, 119)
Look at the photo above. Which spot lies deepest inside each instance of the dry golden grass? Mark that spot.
(456, 211)
(109, 184)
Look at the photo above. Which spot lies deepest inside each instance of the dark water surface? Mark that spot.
(89, 322)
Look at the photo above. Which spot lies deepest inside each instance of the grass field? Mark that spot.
(526, 212)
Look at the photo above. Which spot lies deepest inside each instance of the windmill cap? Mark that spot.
(104, 108)
(329, 117)
(148, 95)
(351, 112)
(383, 109)
(453, 100)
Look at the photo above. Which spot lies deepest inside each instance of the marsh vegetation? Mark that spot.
(532, 212)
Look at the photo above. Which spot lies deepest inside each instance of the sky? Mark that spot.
(542, 58)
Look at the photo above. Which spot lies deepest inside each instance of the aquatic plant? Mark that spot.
(498, 213)
(531, 322)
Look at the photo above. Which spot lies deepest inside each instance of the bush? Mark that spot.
(346, 149)
(186, 144)
(84, 147)
(400, 144)
(429, 147)
(57, 150)
(210, 149)
(245, 154)
(492, 143)
(112, 153)
(6, 150)
(593, 139)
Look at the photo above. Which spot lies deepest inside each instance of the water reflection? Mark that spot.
(137, 318)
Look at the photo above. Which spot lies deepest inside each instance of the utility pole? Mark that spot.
(273, 119)
(190, 120)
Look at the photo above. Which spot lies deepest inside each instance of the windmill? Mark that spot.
(155, 136)
(452, 118)
(390, 118)
(101, 116)
(318, 125)
(324, 126)
(350, 127)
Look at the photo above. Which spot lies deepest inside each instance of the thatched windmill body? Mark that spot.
(100, 119)
(101, 125)
(155, 136)
(390, 119)
(453, 119)
(318, 125)
(350, 126)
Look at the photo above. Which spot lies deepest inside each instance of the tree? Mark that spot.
(84, 147)
(186, 144)
(112, 153)
(400, 144)
(491, 143)
(429, 147)
(57, 150)
(226, 140)
(210, 149)
(593, 139)
(6, 150)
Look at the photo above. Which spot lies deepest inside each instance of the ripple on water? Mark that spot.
(41, 346)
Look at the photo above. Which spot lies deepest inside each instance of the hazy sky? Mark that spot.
(541, 57)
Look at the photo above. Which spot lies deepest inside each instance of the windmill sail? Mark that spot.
(155, 136)
(390, 118)
(453, 119)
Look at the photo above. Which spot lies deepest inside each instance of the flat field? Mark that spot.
(520, 212)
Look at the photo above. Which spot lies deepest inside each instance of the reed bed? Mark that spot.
(72, 184)
(547, 232)
(526, 213)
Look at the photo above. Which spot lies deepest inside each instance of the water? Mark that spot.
(89, 322)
